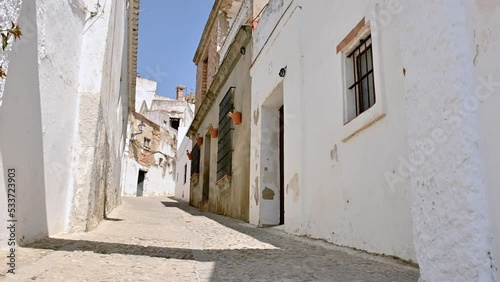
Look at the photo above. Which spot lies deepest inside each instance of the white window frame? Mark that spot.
(354, 126)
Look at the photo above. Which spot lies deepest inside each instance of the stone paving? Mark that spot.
(158, 239)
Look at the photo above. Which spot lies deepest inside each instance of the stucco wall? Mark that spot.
(39, 114)
(233, 201)
(449, 136)
(101, 118)
(334, 190)
(157, 160)
(487, 40)
(145, 93)
(182, 189)
(67, 141)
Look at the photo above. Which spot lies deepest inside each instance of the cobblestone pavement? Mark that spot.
(158, 239)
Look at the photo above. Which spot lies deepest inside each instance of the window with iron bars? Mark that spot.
(361, 83)
(195, 161)
(225, 146)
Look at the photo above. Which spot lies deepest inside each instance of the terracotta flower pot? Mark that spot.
(190, 156)
(199, 140)
(214, 132)
(236, 116)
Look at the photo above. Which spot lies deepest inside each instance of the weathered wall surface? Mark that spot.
(233, 200)
(157, 159)
(449, 136)
(335, 189)
(183, 166)
(102, 112)
(487, 41)
(10, 11)
(212, 57)
(39, 114)
(72, 104)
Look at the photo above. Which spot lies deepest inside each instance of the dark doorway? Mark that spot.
(140, 183)
(174, 123)
(206, 169)
(282, 170)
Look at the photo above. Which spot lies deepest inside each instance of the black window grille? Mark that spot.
(195, 161)
(364, 83)
(225, 146)
(185, 173)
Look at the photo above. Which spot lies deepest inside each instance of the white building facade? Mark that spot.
(151, 154)
(385, 139)
(183, 171)
(64, 109)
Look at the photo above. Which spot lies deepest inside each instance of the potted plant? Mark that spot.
(190, 155)
(236, 117)
(214, 132)
(199, 140)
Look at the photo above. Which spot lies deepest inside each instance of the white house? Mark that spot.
(150, 153)
(63, 118)
(375, 123)
(183, 170)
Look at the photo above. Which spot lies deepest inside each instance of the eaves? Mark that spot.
(206, 31)
(132, 44)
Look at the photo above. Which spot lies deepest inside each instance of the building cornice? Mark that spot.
(206, 32)
(133, 43)
(233, 54)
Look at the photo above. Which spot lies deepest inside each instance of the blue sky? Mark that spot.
(169, 33)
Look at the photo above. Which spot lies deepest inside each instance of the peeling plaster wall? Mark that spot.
(232, 201)
(334, 190)
(65, 96)
(267, 23)
(268, 92)
(160, 169)
(101, 118)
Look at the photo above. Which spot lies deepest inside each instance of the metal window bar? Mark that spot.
(225, 149)
(361, 56)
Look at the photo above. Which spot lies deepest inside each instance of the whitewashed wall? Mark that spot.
(38, 111)
(145, 93)
(181, 188)
(65, 106)
(454, 179)
(487, 41)
(335, 190)
(158, 181)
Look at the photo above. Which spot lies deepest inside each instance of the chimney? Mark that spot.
(180, 92)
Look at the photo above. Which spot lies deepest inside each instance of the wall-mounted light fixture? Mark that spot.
(141, 126)
(282, 72)
(243, 50)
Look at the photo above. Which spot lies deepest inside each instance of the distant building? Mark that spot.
(183, 164)
(151, 149)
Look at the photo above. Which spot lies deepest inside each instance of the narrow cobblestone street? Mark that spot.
(158, 239)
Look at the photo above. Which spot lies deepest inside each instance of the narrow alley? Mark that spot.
(159, 239)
